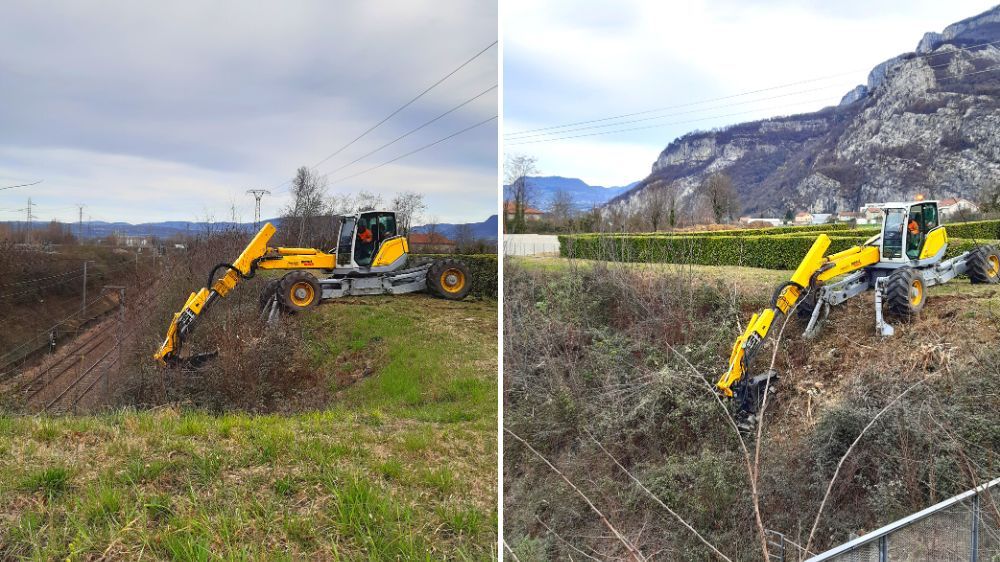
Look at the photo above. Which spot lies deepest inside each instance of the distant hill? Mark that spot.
(585, 196)
(99, 229)
(486, 230)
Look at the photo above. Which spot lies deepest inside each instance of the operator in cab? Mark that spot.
(365, 243)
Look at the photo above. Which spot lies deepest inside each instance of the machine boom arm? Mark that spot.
(183, 321)
(814, 268)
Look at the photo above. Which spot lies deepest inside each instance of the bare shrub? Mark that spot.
(259, 365)
(607, 350)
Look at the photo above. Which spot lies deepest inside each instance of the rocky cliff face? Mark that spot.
(926, 122)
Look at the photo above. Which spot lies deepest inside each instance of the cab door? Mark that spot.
(367, 239)
(935, 240)
(345, 242)
(894, 234)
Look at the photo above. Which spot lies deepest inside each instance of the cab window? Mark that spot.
(892, 238)
(366, 240)
(930, 217)
(387, 225)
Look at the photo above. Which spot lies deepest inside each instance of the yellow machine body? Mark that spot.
(391, 250)
(937, 239)
(388, 253)
(817, 268)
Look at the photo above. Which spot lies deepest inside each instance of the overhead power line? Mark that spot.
(731, 96)
(30, 281)
(402, 107)
(411, 131)
(658, 125)
(22, 185)
(412, 152)
(549, 138)
(673, 114)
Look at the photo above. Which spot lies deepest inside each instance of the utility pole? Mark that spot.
(30, 218)
(257, 194)
(83, 307)
(80, 227)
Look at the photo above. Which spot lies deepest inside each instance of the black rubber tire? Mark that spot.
(298, 281)
(905, 292)
(449, 279)
(984, 265)
(269, 290)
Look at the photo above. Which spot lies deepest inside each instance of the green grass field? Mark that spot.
(401, 465)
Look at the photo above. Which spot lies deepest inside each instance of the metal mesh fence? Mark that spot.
(965, 527)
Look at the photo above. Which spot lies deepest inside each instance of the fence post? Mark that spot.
(975, 528)
(883, 548)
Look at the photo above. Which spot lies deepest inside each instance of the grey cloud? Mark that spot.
(243, 89)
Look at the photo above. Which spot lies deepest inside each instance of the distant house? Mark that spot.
(803, 218)
(750, 220)
(430, 243)
(821, 218)
(530, 214)
(133, 241)
(956, 206)
(871, 212)
(848, 216)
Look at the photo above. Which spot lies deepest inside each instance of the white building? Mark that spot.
(953, 206)
(803, 218)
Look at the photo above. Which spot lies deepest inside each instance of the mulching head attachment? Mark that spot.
(192, 363)
(749, 395)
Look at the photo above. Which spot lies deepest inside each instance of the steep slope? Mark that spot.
(925, 122)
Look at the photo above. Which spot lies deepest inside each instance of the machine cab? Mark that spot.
(370, 240)
(912, 232)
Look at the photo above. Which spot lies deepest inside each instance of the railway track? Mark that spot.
(67, 380)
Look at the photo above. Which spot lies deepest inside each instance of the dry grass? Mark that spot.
(400, 465)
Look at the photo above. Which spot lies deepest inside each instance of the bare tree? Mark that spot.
(516, 170)
(989, 198)
(408, 206)
(561, 209)
(431, 228)
(721, 197)
(656, 207)
(367, 201)
(308, 203)
(464, 237)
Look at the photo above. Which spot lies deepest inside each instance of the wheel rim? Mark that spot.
(452, 280)
(993, 264)
(302, 293)
(916, 292)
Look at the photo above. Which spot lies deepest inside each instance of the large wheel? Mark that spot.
(449, 279)
(298, 291)
(984, 265)
(267, 293)
(906, 292)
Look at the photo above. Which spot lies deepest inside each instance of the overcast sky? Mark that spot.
(567, 61)
(172, 110)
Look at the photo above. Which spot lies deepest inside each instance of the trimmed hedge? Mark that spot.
(484, 269)
(812, 229)
(768, 252)
(979, 230)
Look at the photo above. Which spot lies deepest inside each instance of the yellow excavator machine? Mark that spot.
(371, 258)
(898, 264)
